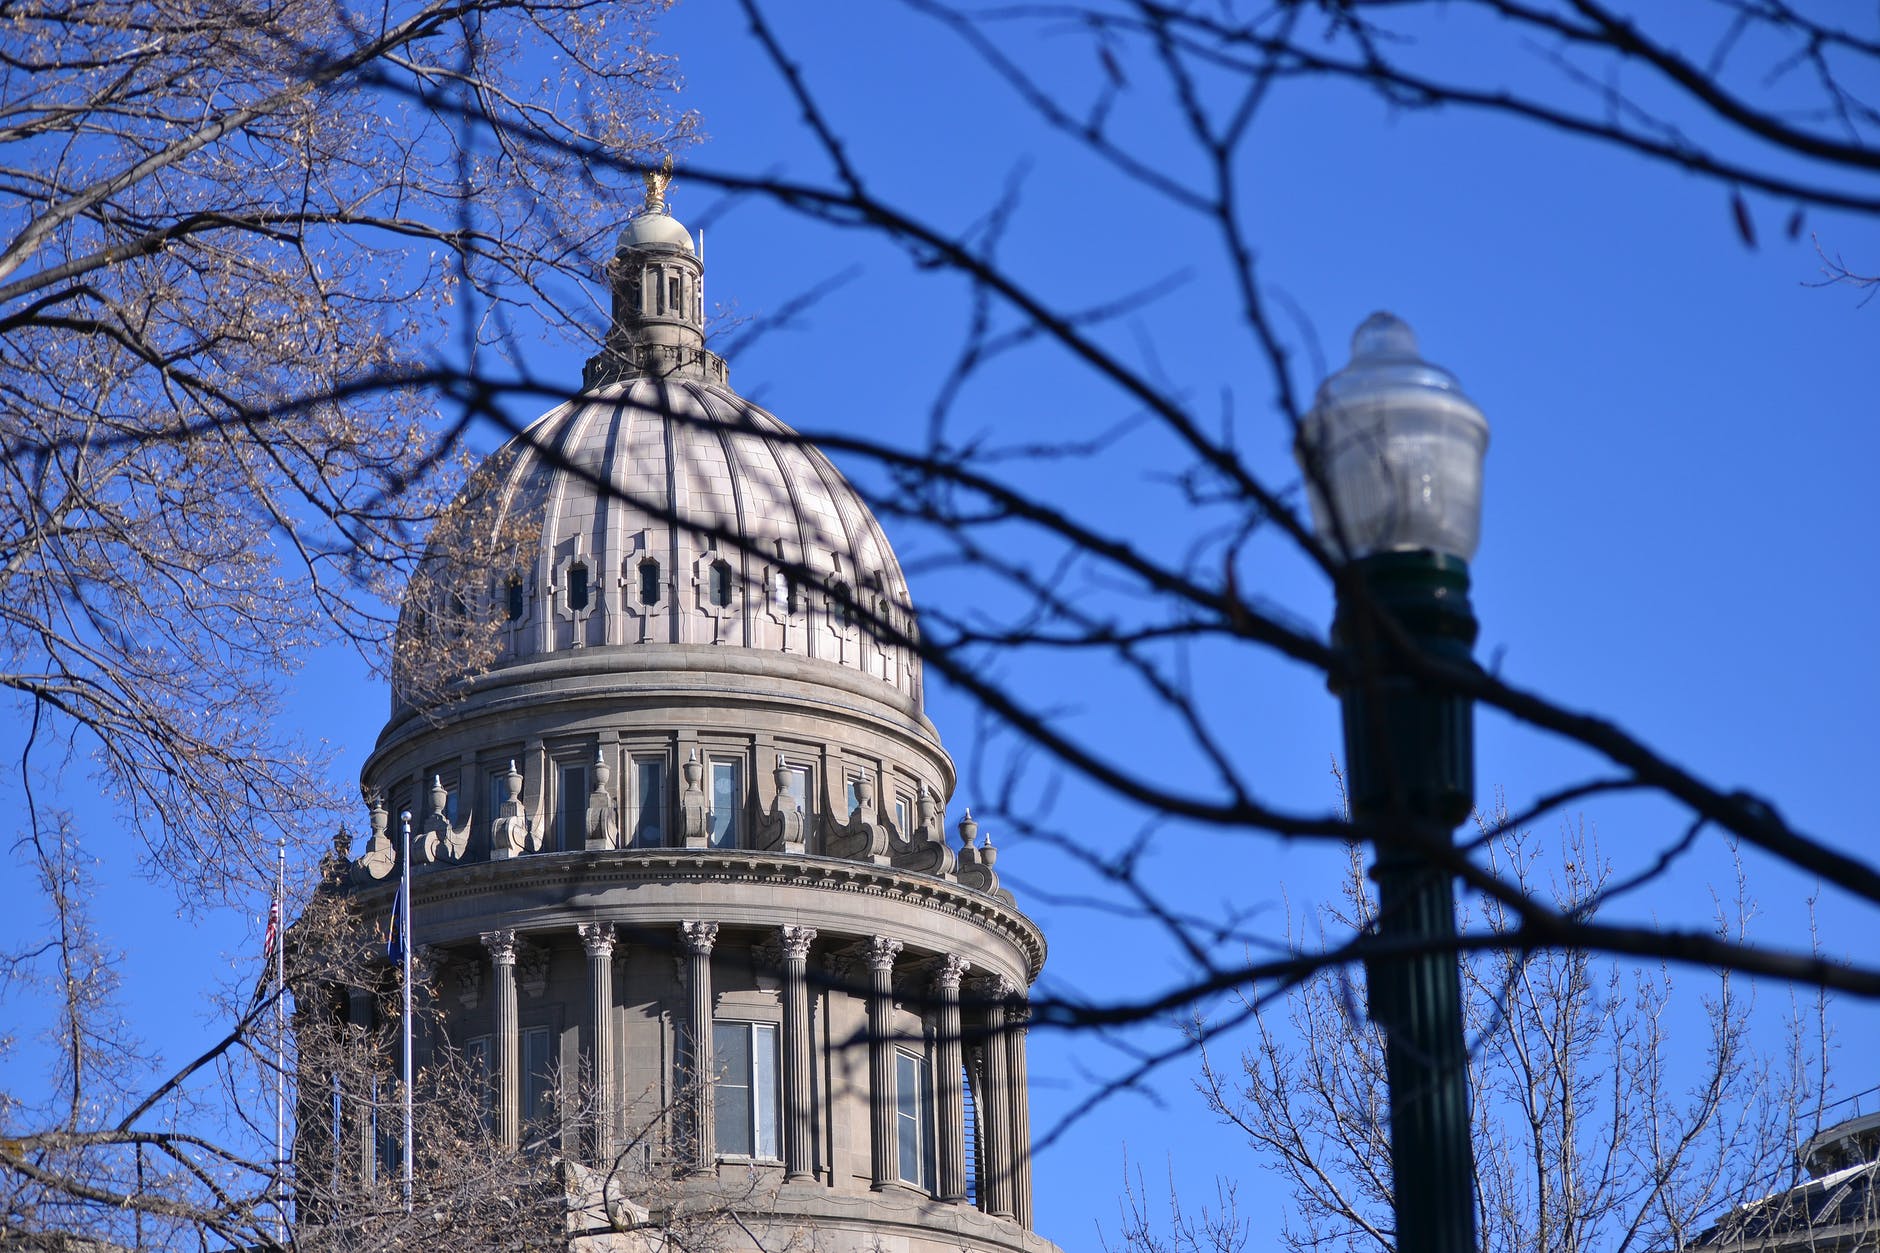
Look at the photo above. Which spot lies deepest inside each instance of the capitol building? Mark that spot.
(690, 837)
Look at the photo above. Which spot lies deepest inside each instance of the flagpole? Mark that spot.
(404, 1026)
(280, 1036)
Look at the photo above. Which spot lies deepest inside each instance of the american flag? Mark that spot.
(268, 942)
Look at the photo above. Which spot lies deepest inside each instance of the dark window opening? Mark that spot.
(649, 830)
(571, 806)
(515, 599)
(649, 582)
(577, 587)
(839, 603)
(721, 584)
(672, 294)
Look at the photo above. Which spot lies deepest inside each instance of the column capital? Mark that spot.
(993, 988)
(501, 945)
(597, 938)
(795, 942)
(698, 937)
(947, 975)
(880, 953)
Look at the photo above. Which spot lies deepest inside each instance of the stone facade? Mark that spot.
(685, 839)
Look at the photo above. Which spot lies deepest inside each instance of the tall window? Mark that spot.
(514, 593)
(724, 815)
(721, 583)
(571, 808)
(911, 1103)
(577, 587)
(744, 1089)
(538, 1079)
(649, 802)
(797, 796)
(649, 581)
(498, 793)
(476, 1056)
(972, 1134)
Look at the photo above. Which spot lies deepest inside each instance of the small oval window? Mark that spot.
(721, 584)
(515, 598)
(649, 582)
(577, 587)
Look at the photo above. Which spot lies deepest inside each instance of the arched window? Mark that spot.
(721, 584)
(649, 581)
(577, 587)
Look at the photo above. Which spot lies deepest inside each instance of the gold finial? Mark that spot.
(656, 181)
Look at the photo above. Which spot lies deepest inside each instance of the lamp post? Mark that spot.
(1392, 453)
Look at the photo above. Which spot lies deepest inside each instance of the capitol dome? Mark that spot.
(673, 511)
(676, 828)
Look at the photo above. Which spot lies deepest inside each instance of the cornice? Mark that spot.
(442, 885)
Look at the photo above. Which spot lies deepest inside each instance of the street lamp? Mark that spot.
(1392, 454)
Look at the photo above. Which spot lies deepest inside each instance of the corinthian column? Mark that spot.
(598, 939)
(1018, 1015)
(881, 953)
(502, 950)
(952, 1099)
(798, 1160)
(698, 938)
(995, 1109)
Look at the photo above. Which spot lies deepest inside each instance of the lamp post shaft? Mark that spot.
(1410, 751)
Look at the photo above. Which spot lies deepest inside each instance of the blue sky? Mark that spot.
(1679, 487)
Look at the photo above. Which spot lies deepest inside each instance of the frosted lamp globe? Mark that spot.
(1392, 451)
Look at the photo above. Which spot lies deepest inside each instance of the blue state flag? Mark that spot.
(395, 945)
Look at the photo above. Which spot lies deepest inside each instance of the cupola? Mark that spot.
(658, 281)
